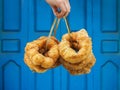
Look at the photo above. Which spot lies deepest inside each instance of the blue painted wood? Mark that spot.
(78, 82)
(12, 15)
(108, 22)
(43, 13)
(11, 72)
(1, 11)
(112, 69)
(13, 31)
(22, 21)
(77, 17)
(106, 44)
(44, 81)
(13, 43)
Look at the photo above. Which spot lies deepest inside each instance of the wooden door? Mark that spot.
(106, 39)
(22, 21)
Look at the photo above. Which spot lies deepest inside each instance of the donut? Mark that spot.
(80, 42)
(76, 52)
(33, 67)
(79, 72)
(89, 62)
(38, 58)
(80, 68)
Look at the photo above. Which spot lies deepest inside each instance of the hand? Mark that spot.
(63, 5)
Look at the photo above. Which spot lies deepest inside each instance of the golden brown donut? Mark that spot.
(79, 72)
(84, 69)
(80, 68)
(80, 41)
(89, 62)
(33, 67)
(76, 52)
(37, 57)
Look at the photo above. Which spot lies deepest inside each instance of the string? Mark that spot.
(50, 33)
(68, 27)
(57, 24)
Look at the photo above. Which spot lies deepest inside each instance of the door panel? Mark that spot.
(77, 17)
(13, 37)
(12, 17)
(9, 69)
(106, 26)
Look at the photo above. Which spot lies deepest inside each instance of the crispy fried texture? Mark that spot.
(33, 67)
(76, 52)
(88, 62)
(38, 58)
(80, 41)
(79, 68)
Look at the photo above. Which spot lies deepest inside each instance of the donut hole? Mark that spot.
(74, 45)
(46, 46)
(43, 51)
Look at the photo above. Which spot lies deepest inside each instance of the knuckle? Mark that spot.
(68, 11)
(64, 10)
(59, 1)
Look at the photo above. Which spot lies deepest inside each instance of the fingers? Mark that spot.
(55, 10)
(64, 6)
(67, 7)
(63, 11)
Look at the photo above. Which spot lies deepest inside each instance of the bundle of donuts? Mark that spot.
(74, 52)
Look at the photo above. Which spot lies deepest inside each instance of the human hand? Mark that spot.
(63, 5)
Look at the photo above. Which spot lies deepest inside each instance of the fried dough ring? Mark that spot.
(84, 48)
(79, 72)
(33, 67)
(36, 57)
(83, 70)
(80, 68)
(89, 62)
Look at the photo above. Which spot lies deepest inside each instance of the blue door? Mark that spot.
(22, 21)
(106, 41)
(13, 37)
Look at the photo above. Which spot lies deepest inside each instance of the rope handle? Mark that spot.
(68, 28)
(55, 27)
(55, 23)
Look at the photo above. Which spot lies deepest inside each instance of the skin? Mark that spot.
(63, 5)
